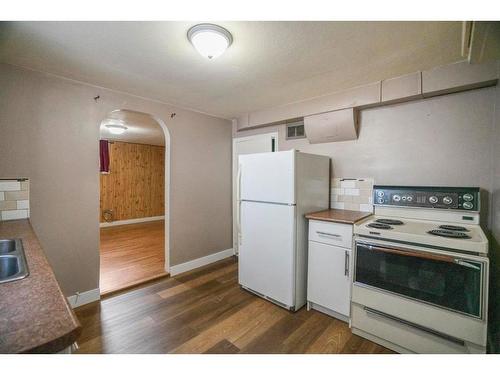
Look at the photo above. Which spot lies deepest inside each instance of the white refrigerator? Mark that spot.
(274, 191)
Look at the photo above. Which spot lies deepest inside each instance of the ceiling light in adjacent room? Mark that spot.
(116, 129)
(209, 40)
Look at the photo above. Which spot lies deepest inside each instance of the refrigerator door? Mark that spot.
(268, 177)
(267, 250)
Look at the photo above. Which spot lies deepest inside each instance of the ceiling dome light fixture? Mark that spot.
(116, 129)
(209, 40)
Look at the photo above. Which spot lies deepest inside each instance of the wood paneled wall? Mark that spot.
(135, 186)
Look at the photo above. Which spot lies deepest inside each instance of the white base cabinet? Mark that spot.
(329, 269)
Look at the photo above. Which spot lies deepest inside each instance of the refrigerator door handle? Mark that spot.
(238, 205)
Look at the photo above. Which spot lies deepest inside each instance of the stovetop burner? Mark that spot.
(453, 227)
(389, 221)
(448, 233)
(379, 225)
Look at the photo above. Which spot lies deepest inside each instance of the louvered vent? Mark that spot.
(295, 130)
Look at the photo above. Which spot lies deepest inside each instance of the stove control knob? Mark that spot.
(380, 193)
(396, 198)
(380, 200)
(447, 200)
(468, 205)
(409, 198)
(468, 197)
(433, 199)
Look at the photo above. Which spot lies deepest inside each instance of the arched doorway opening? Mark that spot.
(134, 199)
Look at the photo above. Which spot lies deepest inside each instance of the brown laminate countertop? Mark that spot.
(34, 314)
(338, 216)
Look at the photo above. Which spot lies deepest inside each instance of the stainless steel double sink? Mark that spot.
(13, 264)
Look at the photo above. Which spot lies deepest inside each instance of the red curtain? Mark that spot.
(104, 156)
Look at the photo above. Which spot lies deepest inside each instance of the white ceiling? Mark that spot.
(268, 64)
(141, 128)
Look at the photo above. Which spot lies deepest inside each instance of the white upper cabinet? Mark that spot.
(402, 88)
(356, 97)
(445, 79)
(458, 77)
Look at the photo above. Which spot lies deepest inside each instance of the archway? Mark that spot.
(138, 134)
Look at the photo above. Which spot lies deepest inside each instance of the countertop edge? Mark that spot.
(356, 216)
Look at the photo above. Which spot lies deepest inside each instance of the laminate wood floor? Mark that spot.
(131, 254)
(206, 311)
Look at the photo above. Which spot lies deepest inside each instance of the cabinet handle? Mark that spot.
(414, 325)
(337, 236)
(346, 264)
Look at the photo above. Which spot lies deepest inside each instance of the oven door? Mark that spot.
(443, 279)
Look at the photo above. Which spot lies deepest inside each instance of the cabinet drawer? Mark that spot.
(331, 233)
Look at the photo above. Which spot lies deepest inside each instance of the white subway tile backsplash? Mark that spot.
(16, 195)
(14, 199)
(346, 198)
(366, 192)
(338, 205)
(351, 206)
(348, 184)
(366, 207)
(365, 183)
(14, 214)
(351, 192)
(359, 199)
(23, 204)
(10, 185)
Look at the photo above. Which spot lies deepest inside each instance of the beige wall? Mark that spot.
(49, 132)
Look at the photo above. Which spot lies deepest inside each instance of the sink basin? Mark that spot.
(7, 246)
(9, 266)
(13, 264)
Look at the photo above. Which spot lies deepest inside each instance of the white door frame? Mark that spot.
(269, 135)
(168, 209)
(168, 153)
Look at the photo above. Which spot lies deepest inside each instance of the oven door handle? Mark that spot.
(416, 254)
(467, 264)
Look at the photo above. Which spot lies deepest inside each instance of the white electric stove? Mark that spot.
(420, 281)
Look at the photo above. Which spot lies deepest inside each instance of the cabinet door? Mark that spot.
(329, 277)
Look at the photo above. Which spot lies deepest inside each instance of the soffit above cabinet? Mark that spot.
(459, 77)
(361, 96)
(403, 88)
(446, 79)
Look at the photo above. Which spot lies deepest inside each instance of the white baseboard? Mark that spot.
(83, 298)
(131, 221)
(203, 261)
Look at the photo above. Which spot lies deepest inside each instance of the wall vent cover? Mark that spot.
(295, 130)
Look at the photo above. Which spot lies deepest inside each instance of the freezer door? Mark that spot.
(267, 250)
(268, 177)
